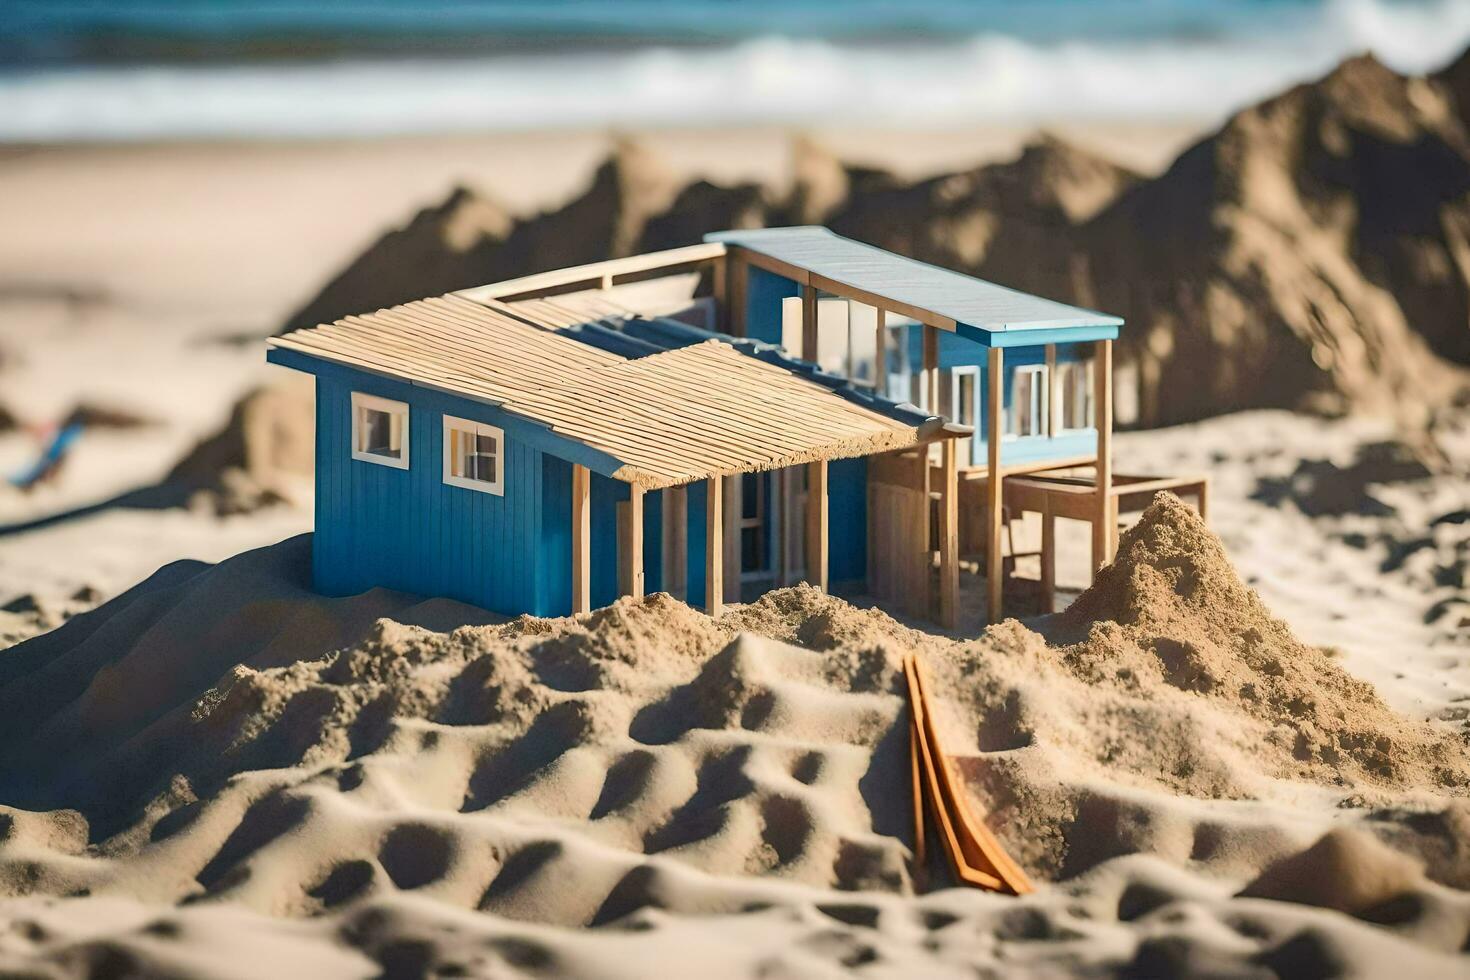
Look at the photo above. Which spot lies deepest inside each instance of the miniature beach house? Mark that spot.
(765, 408)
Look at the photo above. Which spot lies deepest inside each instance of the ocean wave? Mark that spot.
(771, 80)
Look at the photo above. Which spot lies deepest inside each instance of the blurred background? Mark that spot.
(1274, 193)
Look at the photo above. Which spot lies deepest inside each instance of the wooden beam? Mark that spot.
(675, 506)
(737, 286)
(594, 274)
(784, 269)
(995, 497)
(1053, 417)
(930, 376)
(809, 333)
(849, 291)
(714, 548)
(780, 502)
(926, 563)
(1048, 558)
(581, 539)
(880, 359)
(949, 538)
(718, 272)
(630, 549)
(816, 524)
(1104, 523)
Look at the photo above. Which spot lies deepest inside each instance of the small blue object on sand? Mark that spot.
(51, 457)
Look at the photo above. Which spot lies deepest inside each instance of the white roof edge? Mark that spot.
(1005, 301)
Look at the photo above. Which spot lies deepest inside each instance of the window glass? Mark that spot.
(379, 435)
(473, 455)
(750, 502)
(379, 430)
(965, 398)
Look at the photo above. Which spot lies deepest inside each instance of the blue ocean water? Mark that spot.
(253, 28)
(74, 70)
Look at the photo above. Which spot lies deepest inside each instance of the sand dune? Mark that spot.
(220, 744)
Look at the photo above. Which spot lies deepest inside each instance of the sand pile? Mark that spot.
(221, 737)
(1170, 608)
(263, 455)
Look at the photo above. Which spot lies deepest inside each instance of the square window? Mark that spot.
(474, 455)
(379, 430)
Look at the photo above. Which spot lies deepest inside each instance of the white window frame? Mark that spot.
(452, 424)
(361, 400)
(1039, 382)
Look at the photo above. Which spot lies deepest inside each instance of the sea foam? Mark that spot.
(774, 80)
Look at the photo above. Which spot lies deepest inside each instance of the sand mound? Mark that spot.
(1183, 616)
(1345, 870)
(261, 456)
(219, 736)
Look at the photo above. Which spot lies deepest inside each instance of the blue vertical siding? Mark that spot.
(405, 528)
(764, 292)
(606, 492)
(847, 520)
(555, 550)
(694, 576)
(653, 542)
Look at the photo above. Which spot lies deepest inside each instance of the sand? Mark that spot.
(221, 739)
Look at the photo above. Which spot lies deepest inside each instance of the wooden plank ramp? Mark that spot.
(974, 854)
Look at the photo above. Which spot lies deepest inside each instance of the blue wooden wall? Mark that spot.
(764, 292)
(847, 520)
(405, 528)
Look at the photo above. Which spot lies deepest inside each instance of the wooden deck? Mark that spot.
(1073, 494)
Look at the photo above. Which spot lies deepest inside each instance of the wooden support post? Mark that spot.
(1201, 500)
(880, 358)
(949, 540)
(1048, 558)
(717, 289)
(816, 524)
(714, 548)
(779, 503)
(737, 275)
(922, 593)
(581, 539)
(1053, 417)
(630, 549)
(995, 499)
(809, 333)
(930, 384)
(1104, 524)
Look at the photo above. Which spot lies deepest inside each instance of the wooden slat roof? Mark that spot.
(668, 418)
(950, 297)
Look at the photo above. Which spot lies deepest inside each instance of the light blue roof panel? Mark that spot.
(951, 295)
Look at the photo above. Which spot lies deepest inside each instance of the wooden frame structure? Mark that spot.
(729, 276)
(576, 370)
